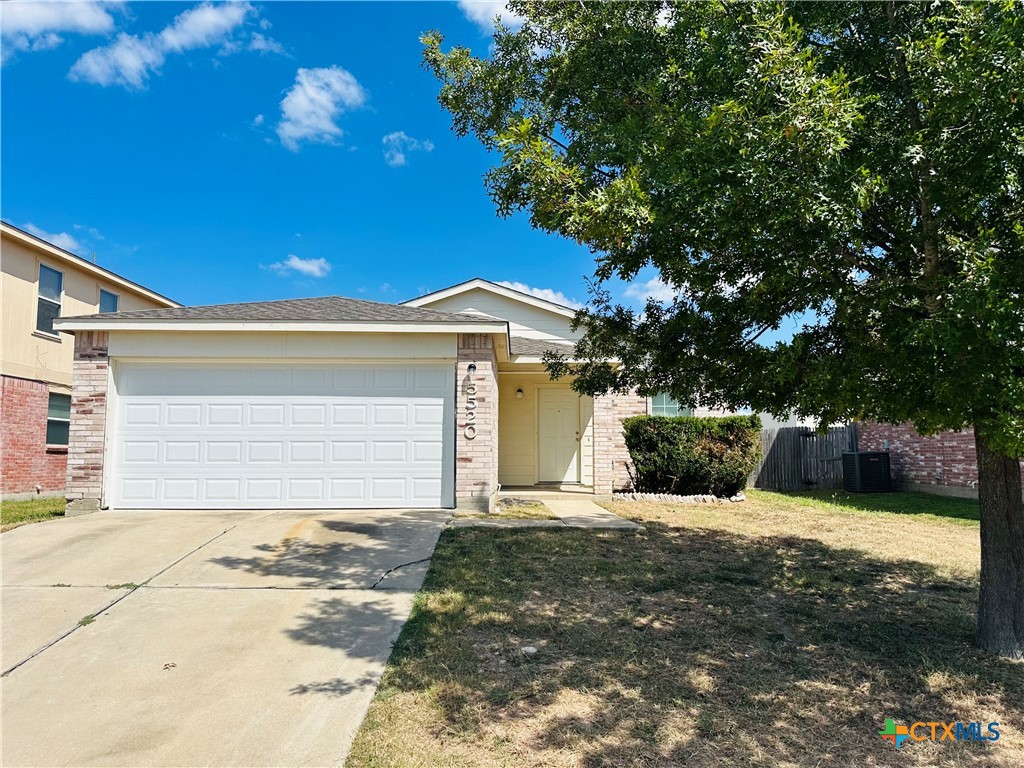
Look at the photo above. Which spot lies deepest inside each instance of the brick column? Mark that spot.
(476, 425)
(610, 455)
(88, 422)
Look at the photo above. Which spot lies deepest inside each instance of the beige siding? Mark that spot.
(524, 319)
(25, 353)
(262, 346)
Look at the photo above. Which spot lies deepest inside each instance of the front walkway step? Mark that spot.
(502, 522)
(571, 513)
(583, 513)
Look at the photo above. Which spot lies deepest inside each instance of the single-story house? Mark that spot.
(336, 403)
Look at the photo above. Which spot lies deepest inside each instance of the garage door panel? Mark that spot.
(266, 415)
(181, 452)
(181, 489)
(224, 414)
(184, 415)
(141, 415)
(141, 451)
(139, 490)
(224, 452)
(348, 436)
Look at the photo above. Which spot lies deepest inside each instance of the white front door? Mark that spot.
(284, 435)
(558, 427)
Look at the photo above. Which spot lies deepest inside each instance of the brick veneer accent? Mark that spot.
(25, 461)
(611, 458)
(88, 422)
(944, 461)
(476, 457)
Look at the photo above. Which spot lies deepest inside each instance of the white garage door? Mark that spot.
(283, 436)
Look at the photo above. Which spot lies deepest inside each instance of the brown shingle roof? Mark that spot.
(324, 309)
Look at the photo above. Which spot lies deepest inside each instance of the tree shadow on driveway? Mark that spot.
(361, 575)
(328, 551)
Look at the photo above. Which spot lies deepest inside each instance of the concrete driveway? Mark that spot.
(218, 638)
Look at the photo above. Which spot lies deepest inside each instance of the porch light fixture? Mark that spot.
(471, 368)
(519, 393)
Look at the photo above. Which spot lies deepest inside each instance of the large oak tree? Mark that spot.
(857, 163)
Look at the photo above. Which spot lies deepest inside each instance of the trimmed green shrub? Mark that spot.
(690, 455)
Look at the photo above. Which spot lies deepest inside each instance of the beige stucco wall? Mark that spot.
(258, 346)
(25, 353)
(523, 319)
(517, 429)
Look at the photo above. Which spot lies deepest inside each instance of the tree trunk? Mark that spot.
(1001, 603)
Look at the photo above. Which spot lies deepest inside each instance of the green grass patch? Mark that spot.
(946, 508)
(15, 513)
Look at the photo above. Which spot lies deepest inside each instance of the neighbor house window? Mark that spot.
(663, 405)
(108, 302)
(51, 285)
(58, 419)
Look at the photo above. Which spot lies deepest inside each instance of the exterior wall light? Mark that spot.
(519, 393)
(471, 368)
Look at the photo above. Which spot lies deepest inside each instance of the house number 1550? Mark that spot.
(470, 430)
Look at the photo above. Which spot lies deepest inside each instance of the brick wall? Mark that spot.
(946, 461)
(610, 455)
(25, 461)
(476, 436)
(88, 422)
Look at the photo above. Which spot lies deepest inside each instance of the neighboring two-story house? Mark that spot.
(40, 282)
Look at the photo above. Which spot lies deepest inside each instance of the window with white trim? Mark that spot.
(51, 289)
(662, 404)
(108, 302)
(58, 419)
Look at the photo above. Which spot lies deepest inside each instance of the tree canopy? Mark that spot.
(857, 163)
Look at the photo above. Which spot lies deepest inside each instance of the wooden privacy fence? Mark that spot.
(799, 459)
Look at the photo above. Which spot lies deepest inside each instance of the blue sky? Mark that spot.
(243, 151)
(238, 152)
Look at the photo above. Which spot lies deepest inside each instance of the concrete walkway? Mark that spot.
(202, 638)
(571, 513)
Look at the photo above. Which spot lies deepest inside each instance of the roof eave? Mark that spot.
(72, 324)
(67, 257)
(487, 285)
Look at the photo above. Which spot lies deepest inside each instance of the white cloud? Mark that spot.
(399, 143)
(543, 293)
(482, 13)
(311, 107)
(655, 288)
(307, 267)
(263, 44)
(92, 231)
(258, 121)
(131, 59)
(204, 26)
(60, 239)
(38, 26)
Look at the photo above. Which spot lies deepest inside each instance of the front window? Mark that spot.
(662, 404)
(51, 287)
(108, 302)
(58, 419)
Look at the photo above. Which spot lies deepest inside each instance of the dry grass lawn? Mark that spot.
(777, 632)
